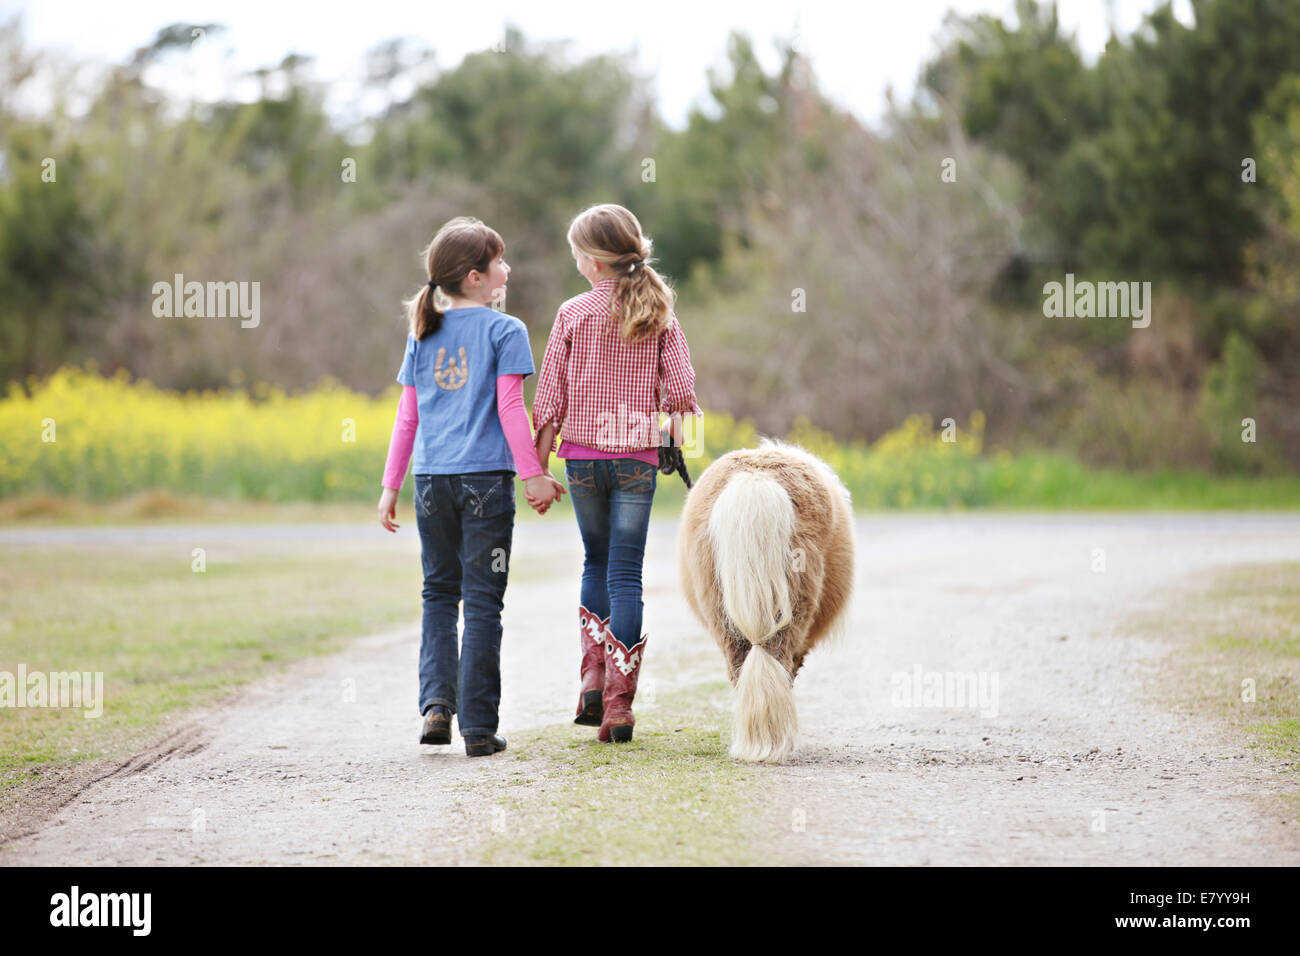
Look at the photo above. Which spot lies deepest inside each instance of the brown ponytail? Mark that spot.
(462, 245)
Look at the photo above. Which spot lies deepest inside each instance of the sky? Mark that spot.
(856, 48)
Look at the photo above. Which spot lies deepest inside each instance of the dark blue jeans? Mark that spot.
(612, 497)
(466, 523)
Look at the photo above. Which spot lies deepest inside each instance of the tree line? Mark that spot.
(827, 270)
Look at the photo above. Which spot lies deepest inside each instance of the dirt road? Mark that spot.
(1062, 760)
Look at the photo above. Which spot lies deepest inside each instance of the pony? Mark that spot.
(766, 553)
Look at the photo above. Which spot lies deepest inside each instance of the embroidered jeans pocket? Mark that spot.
(581, 477)
(425, 502)
(488, 495)
(634, 477)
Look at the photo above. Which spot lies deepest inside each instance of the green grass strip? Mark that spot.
(670, 796)
(167, 638)
(1238, 658)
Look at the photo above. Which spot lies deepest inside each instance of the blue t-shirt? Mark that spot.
(454, 372)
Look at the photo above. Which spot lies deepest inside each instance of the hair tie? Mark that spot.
(432, 284)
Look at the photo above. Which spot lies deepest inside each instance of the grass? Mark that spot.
(165, 507)
(672, 795)
(1240, 656)
(1028, 483)
(1044, 481)
(167, 638)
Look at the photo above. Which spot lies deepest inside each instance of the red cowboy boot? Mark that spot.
(622, 669)
(592, 629)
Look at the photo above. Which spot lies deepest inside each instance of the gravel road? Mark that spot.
(1065, 760)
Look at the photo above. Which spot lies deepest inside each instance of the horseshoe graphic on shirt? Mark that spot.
(452, 377)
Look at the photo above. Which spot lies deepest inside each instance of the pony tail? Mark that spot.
(423, 314)
(750, 528)
(462, 245)
(643, 302)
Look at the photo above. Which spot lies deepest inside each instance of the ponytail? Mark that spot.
(422, 312)
(642, 301)
(462, 245)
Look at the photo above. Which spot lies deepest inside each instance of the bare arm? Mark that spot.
(545, 438)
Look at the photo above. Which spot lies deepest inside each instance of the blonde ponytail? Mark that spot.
(642, 301)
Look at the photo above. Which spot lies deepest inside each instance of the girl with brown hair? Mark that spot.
(462, 410)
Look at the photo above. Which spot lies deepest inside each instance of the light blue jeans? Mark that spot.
(611, 498)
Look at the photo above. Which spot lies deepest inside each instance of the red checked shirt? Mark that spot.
(605, 393)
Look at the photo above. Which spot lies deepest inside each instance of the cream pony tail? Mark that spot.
(750, 528)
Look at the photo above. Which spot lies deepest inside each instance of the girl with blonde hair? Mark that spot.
(616, 358)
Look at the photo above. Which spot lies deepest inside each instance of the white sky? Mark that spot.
(856, 46)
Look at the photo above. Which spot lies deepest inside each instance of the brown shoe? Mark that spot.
(592, 635)
(437, 726)
(484, 746)
(622, 670)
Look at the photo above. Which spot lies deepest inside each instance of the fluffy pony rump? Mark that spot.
(766, 559)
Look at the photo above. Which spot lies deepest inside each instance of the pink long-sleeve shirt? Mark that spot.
(514, 422)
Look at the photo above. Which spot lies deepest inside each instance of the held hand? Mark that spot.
(388, 510)
(536, 502)
(540, 492)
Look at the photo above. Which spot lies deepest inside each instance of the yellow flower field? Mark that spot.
(99, 438)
